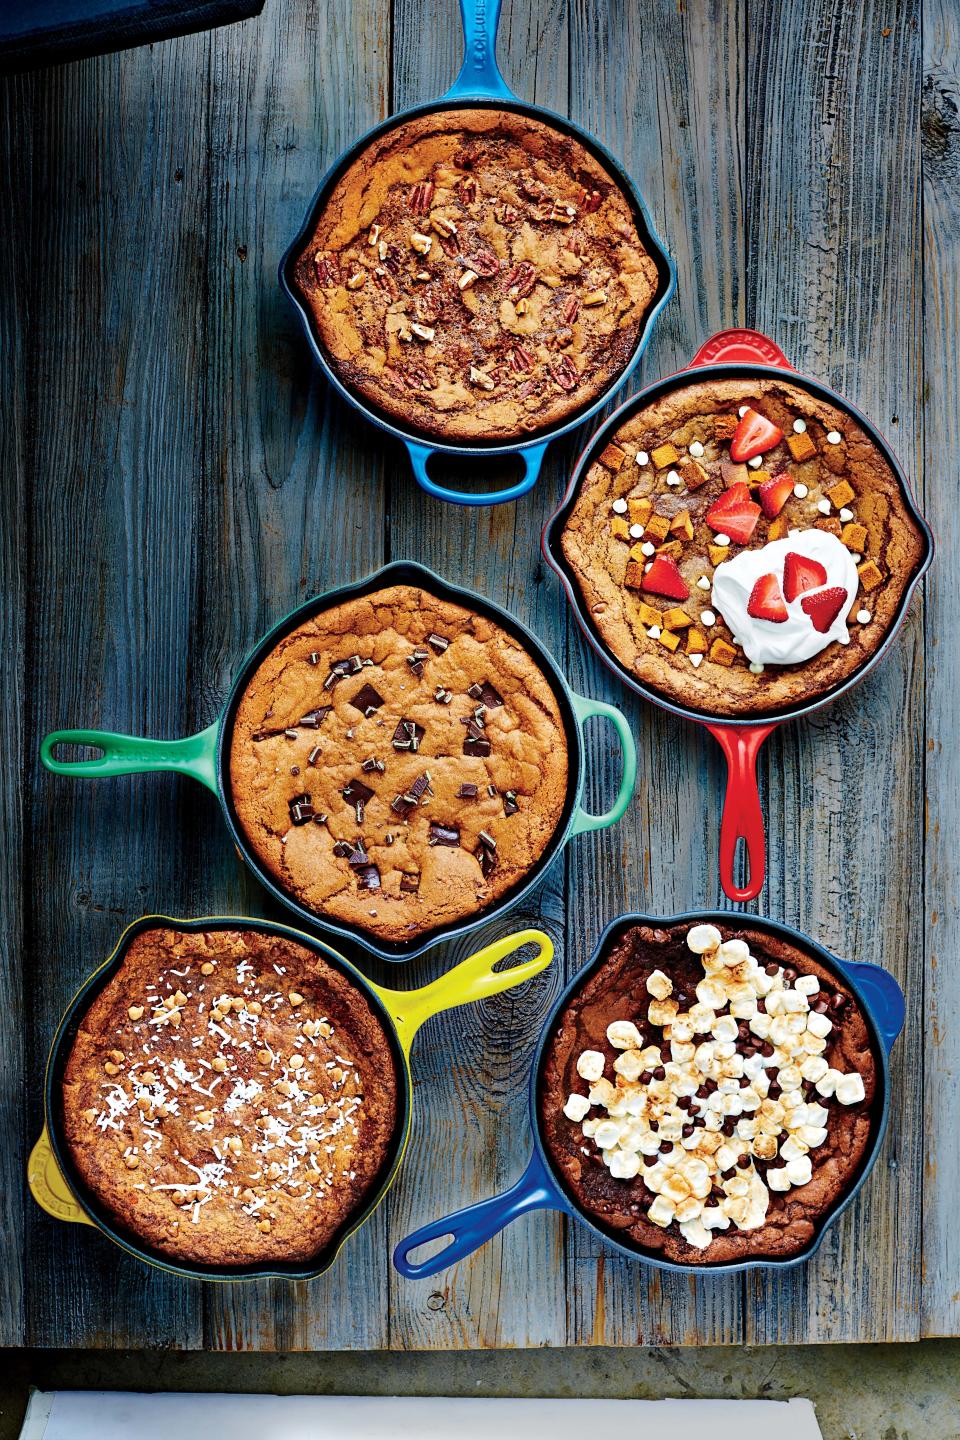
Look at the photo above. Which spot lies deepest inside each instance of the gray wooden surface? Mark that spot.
(176, 477)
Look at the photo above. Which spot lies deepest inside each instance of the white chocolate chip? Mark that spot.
(590, 1065)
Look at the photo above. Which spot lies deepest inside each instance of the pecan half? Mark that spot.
(521, 279)
(327, 270)
(421, 196)
(565, 373)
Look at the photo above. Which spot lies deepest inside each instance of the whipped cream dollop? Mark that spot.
(790, 641)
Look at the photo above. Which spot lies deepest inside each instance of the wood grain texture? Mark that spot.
(940, 137)
(178, 477)
(833, 264)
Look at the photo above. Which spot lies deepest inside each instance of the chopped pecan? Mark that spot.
(421, 196)
(326, 268)
(565, 372)
(484, 263)
(521, 279)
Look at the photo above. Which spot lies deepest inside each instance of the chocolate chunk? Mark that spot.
(510, 804)
(410, 883)
(315, 718)
(486, 694)
(408, 735)
(301, 809)
(373, 765)
(443, 835)
(438, 643)
(369, 877)
(467, 792)
(367, 700)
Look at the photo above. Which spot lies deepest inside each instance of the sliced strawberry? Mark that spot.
(774, 494)
(800, 574)
(824, 607)
(753, 436)
(664, 578)
(766, 602)
(734, 514)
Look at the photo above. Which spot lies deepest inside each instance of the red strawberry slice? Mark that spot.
(664, 578)
(766, 602)
(753, 436)
(734, 514)
(824, 607)
(800, 574)
(774, 494)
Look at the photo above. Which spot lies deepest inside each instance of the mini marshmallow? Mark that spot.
(659, 985)
(799, 1172)
(703, 938)
(576, 1108)
(624, 1165)
(624, 1035)
(850, 1089)
(733, 952)
(590, 1064)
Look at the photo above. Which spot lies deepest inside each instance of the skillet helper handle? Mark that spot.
(584, 708)
(884, 997)
(740, 347)
(531, 456)
(195, 756)
(47, 1185)
(480, 73)
(474, 1226)
(473, 979)
(742, 814)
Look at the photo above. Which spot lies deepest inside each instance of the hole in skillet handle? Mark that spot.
(472, 478)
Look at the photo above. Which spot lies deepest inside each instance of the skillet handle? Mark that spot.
(740, 347)
(480, 73)
(473, 979)
(47, 1185)
(883, 995)
(531, 455)
(195, 756)
(582, 819)
(742, 815)
(474, 1226)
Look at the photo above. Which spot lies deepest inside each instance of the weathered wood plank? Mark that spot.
(115, 347)
(294, 498)
(940, 134)
(472, 1066)
(833, 260)
(15, 191)
(680, 136)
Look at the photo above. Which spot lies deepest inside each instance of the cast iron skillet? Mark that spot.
(479, 84)
(59, 1189)
(206, 756)
(731, 354)
(542, 1187)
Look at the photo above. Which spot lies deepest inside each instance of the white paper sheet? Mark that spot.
(101, 1415)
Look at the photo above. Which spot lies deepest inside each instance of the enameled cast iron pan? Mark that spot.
(57, 1187)
(206, 757)
(731, 354)
(541, 1187)
(478, 84)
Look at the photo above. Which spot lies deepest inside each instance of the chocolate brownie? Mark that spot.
(478, 275)
(742, 545)
(708, 1094)
(230, 1098)
(398, 762)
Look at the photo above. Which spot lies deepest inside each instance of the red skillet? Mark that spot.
(728, 355)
